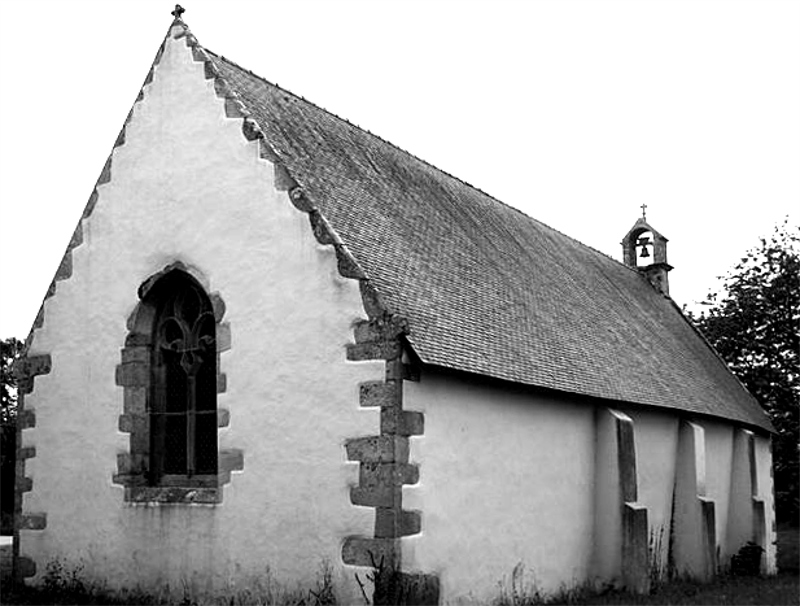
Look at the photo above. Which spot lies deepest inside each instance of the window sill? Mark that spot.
(173, 494)
(199, 488)
(184, 481)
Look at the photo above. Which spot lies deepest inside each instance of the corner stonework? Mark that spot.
(26, 369)
(384, 464)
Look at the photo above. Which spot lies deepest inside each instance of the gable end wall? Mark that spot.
(192, 183)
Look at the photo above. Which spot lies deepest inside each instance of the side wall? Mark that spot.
(188, 186)
(506, 479)
(656, 439)
(548, 492)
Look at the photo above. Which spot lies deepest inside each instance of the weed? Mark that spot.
(391, 586)
(324, 595)
(782, 589)
(64, 585)
(520, 593)
(658, 565)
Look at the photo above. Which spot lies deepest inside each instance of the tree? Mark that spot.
(754, 324)
(9, 350)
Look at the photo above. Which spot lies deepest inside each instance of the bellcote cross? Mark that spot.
(644, 208)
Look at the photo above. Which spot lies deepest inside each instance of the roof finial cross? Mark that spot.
(179, 10)
(644, 208)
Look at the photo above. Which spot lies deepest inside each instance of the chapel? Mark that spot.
(278, 344)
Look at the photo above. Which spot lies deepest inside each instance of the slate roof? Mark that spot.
(485, 288)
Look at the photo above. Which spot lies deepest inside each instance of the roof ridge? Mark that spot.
(414, 156)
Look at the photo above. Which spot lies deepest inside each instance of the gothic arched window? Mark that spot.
(183, 383)
(170, 376)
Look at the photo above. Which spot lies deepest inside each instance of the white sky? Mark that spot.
(575, 112)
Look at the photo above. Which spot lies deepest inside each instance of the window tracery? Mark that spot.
(183, 414)
(170, 374)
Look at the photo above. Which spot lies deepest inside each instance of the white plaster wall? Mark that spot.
(186, 186)
(656, 444)
(607, 530)
(656, 438)
(719, 458)
(689, 549)
(740, 508)
(743, 522)
(505, 478)
(765, 490)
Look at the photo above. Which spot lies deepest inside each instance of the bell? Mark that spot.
(643, 242)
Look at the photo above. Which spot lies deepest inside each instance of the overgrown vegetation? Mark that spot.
(391, 586)
(68, 586)
(744, 586)
(64, 585)
(754, 324)
(782, 589)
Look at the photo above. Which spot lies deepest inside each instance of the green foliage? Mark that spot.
(9, 350)
(754, 324)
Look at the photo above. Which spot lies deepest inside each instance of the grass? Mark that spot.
(63, 586)
(781, 589)
(789, 549)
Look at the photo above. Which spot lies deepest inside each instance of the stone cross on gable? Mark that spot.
(179, 10)
(643, 207)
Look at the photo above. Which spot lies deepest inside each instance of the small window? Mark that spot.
(183, 385)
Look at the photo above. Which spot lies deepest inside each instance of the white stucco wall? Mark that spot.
(720, 476)
(719, 456)
(505, 478)
(765, 491)
(186, 186)
(508, 477)
(607, 531)
(656, 438)
(751, 482)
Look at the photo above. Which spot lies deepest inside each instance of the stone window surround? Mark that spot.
(133, 375)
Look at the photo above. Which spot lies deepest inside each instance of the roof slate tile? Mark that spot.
(485, 288)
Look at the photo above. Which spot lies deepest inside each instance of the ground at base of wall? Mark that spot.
(72, 594)
(789, 549)
(62, 586)
(781, 589)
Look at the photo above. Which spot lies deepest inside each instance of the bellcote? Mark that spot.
(645, 249)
